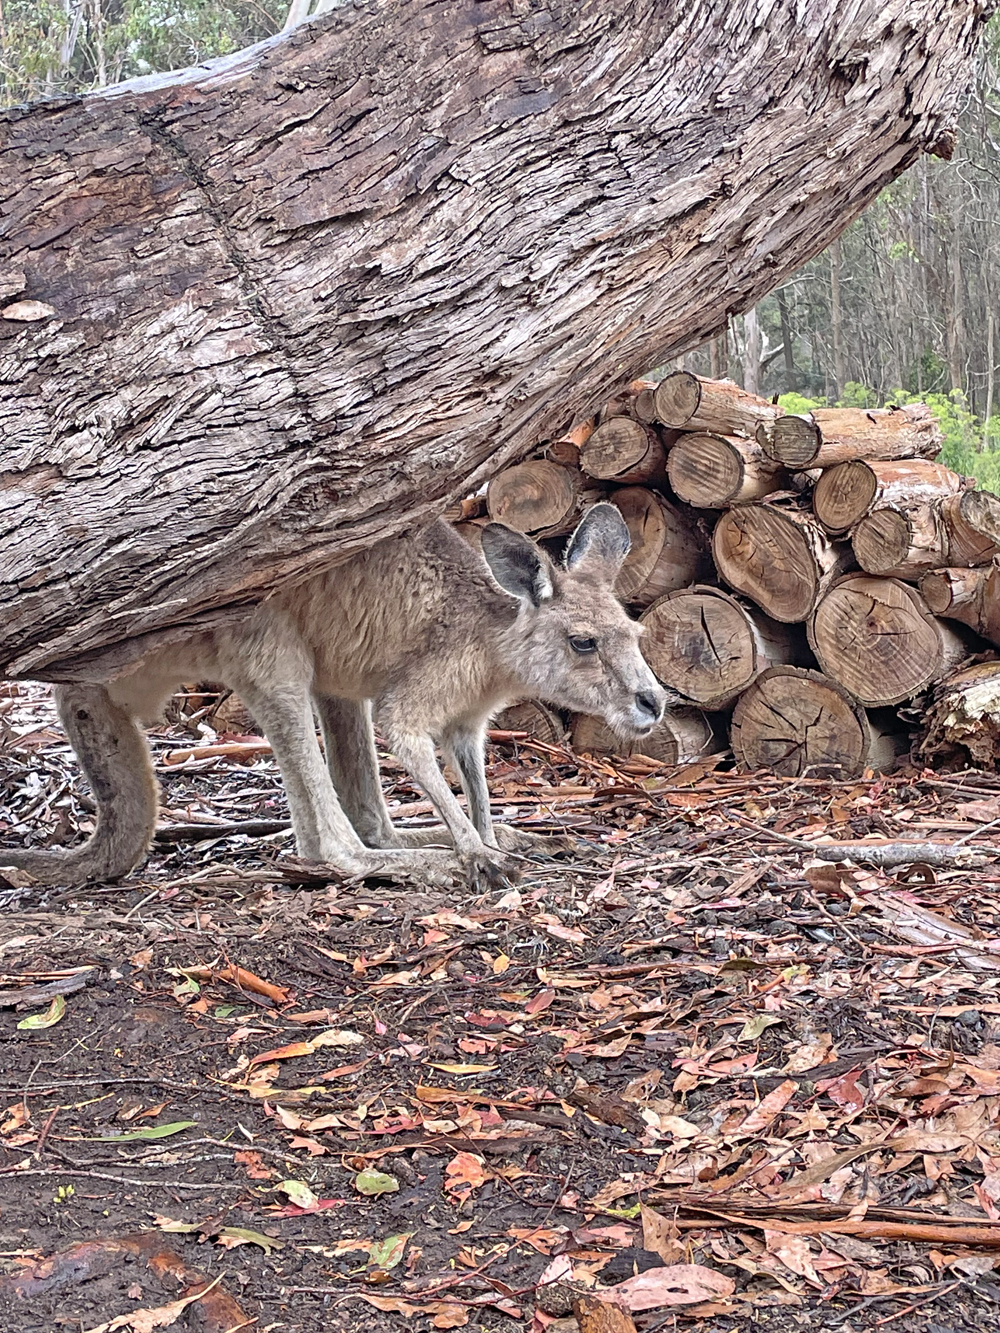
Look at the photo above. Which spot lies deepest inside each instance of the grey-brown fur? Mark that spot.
(419, 626)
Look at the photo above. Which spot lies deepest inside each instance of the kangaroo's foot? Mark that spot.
(534, 844)
(438, 869)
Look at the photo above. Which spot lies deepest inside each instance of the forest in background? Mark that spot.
(901, 307)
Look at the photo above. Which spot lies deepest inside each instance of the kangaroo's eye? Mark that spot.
(582, 645)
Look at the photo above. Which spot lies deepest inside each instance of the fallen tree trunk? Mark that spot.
(275, 308)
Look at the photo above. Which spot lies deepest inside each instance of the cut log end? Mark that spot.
(877, 638)
(710, 647)
(624, 451)
(779, 557)
(792, 441)
(541, 723)
(712, 471)
(683, 736)
(539, 497)
(797, 722)
(676, 398)
(667, 551)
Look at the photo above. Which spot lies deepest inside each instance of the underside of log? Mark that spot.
(298, 299)
(877, 638)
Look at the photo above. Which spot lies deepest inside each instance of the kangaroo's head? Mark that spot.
(572, 642)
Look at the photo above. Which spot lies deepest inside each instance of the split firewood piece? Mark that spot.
(780, 556)
(969, 595)
(902, 542)
(689, 402)
(540, 497)
(543, 723)
(877, 638)
(797, 722)
(963, 722)
(712, 471)
(566, 449)
(832, 435)
(624, 451)
(710, 646)
(846, 493)
(683, 736)
(668, 546)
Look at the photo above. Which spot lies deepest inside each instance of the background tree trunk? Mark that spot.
(267, 311)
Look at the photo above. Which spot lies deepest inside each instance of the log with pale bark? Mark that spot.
(797, 722)
(712, 471)
(710, 646)
(902, 542)
(296, 300)
(962, 724)
(778, 555)
(669, 547)
(877, 638)
(969, 595)
(683, 736)
(832, 435)
(844, 494)
(684, 401)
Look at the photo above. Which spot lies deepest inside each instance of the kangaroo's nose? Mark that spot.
(649, 703)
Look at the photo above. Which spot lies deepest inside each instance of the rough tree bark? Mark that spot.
(271, 309)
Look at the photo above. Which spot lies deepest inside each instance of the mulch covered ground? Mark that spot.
(693, 1062)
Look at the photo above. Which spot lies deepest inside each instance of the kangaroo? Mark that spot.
(420, 628)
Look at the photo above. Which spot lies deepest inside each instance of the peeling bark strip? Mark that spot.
(305, 295)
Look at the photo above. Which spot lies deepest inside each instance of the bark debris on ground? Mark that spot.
(694, 1068)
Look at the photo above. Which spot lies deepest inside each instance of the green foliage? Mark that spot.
(52, 47)
(798, 404)
(857, 395)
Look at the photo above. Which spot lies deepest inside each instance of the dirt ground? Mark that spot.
(747, 1087)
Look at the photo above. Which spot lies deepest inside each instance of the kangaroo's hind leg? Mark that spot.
(113, 753)
(323, 831)
(352, 759)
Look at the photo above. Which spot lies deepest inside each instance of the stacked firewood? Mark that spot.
(798, 576)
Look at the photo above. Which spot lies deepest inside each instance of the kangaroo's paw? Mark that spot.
(534, 844)
(488, 868)
(437, 869)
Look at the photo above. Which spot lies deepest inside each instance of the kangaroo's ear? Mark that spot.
(602, 539)
(517, 564)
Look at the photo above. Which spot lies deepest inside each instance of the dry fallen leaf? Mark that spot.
(677, 1284)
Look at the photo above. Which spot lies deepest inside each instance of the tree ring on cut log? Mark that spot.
(791, 440)
(877, 638)
(667, 551)
(794, 721)
(683, 736)
(623, 450)
(882, 540)
(778, 558)
(708, 646)
(676, 398)
(843, 494)
(533, 497)
(539, 721)
(705, 470)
